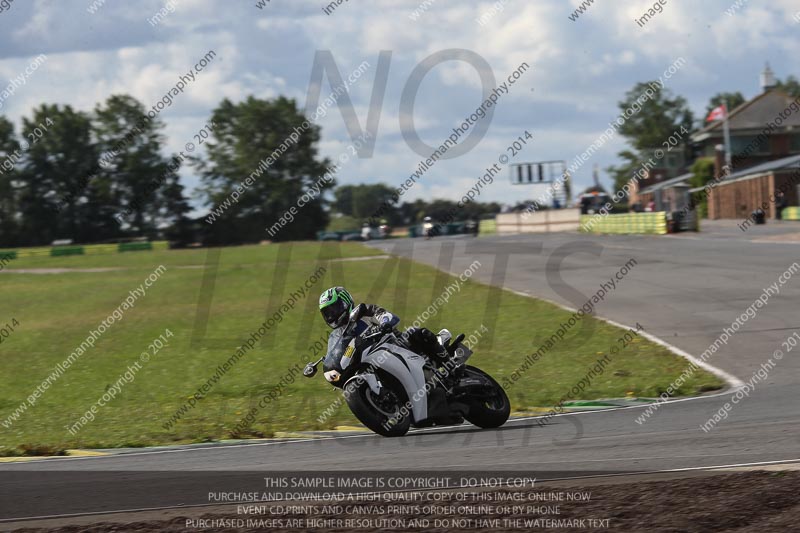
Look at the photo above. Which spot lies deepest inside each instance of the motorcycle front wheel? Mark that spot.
(387, 414)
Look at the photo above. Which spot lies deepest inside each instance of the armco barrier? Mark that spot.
(790, 213)
(90, 249)
(648, 223)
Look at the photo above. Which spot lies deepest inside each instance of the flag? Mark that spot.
(718, 113)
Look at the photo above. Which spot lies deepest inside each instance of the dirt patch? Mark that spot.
(747, 502)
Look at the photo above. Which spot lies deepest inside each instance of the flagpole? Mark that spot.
(727, 132)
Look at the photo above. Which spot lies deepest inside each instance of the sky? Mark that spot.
(578, 70)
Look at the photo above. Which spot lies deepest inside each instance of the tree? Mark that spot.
(624, 173)
(174, 206)
(445, 211)
(54, 171)
(440, 210)
(702, 172)
(344, 223)
(733, 100)
(413, 212)
(790, 86)
(361, 201)
(9, 157)
(658, 118)
(343, 200)
(142, 185)
(476, 210)
(263, 143)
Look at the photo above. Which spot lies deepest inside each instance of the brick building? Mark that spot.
(765, 160)
(756, 187)
(765, 149)
(763, 129)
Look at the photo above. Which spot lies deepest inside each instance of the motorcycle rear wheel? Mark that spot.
(491, 411)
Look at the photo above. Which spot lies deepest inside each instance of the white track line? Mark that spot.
(732, 380)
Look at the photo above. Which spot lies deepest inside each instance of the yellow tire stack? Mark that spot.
(626, 223)
(790, 213)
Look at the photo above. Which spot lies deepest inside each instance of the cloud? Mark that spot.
(579, 70)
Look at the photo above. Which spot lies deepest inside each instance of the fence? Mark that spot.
(545, 221)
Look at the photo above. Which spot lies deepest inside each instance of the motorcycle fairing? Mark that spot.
(407, 367)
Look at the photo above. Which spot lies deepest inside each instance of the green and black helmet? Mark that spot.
(335, 304)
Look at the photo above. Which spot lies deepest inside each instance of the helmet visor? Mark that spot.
(335, 313)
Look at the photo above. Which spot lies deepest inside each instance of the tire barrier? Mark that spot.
(790, 213)
(626, 223)
(487, 227)
(58, 251)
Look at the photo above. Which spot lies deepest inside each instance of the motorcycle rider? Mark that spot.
(336, 304)
(428, 228)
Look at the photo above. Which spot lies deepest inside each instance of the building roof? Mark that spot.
(754, 115)
(787, 163)
(679, 180)
(770, 166)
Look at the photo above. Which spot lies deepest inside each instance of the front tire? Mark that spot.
(381, 413)
(491, 411)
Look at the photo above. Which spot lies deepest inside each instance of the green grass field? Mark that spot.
(57, 311)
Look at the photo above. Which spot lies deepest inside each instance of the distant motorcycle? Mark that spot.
(381, 232)
(390, 388)
(428, 228)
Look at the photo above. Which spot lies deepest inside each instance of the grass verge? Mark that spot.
(212, 300)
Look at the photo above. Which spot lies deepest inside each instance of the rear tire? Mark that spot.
(381, 414)
(488, 412)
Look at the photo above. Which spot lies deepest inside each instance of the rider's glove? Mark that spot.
(386, 325)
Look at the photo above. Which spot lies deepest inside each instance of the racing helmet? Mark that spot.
(335, 304)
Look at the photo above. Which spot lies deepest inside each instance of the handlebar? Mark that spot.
(310, 369)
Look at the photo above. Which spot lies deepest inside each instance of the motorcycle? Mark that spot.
(428, 228)
(384, 231)
(391, 388)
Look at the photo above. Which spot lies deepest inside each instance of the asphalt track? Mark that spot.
(684, 290)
